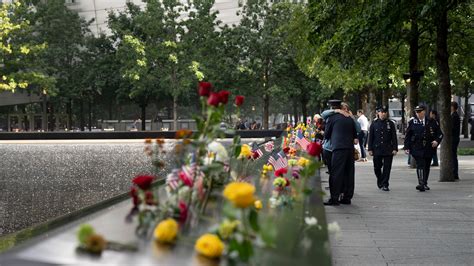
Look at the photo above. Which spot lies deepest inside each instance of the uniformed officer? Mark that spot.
(422, 138)
(382, 144)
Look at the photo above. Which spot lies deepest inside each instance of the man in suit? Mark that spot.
(422, 137)
(342, 134)
(456, 130)
(383, 146)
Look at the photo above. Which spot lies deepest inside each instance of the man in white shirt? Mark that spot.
(364, 126)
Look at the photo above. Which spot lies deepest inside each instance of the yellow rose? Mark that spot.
(245, 151)
(166, 231)
(303, 162)
(227, 228)
(269, 168)
(209, 245)
(258, 204)
(240, 194)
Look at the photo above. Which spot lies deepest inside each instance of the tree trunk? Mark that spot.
(304, 109)
(69, 114)
(143, 116)
(90, 115)
(412, 90)
(467, 112)
(175, 113)
(266, 111)
(442, 67)
(295, 112)
(372, 103)
(82, 119)
(363, 102)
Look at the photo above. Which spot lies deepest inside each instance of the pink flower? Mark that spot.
(143, 181)
(205, 88)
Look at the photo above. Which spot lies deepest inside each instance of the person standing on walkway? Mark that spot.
(383, 146)
(456, 130)
(421, 140)
(363, 135)
(341, 132)
(434, 116)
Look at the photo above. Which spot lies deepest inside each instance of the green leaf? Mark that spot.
(253, 220)
(237, 151)
(245, 250)
(268, 232)
(84, 232)
(307, 191)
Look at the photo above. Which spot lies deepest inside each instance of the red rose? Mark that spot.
(183, 211)
(224, 96)
(186, 179)
(286, 150)
(239, 100)
(205, 88)
(149, 198)
(314, 149)
(133, 192)
(281, 172)
(143, 181)
(214, 99)
(255, 155)
(287, 182)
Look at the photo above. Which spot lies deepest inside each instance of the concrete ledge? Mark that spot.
(124, 135)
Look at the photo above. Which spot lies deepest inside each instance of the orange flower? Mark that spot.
(147, 141)
(183, 133)
(160, 142)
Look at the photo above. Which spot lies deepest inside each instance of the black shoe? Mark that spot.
(331, 202)
(435, 165)
(426, 187)
(385, 189)
(345, 201)
(421, 188)
(456, 178)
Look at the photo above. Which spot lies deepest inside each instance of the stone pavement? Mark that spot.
(404, 226)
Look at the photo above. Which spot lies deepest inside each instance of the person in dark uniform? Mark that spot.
(383, 146)
(342, 134)
(422, 137)
(456, 130)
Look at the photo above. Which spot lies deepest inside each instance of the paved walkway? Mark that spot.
(405, 226)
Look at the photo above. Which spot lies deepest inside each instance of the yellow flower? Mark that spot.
(209, 245)
(166, 231)
(303, 162)
(258, 204)
(269, 168)
(240, 194)
(245, 151)
(292, 162)
(227, 228)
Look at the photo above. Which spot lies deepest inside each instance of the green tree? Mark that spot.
(18, 67)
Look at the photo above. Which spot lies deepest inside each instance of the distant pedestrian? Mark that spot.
(456, 130)
(383, 146)
(363, 135)
(434, 116)
(422, 137)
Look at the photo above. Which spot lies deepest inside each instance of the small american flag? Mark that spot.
(172, 180)
(256, 149)
(269, 146)
(278, 160)
(301, 140)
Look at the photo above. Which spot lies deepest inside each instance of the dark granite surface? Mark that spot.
(40, 181)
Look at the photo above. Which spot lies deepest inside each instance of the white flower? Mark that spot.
(311, 221)
(273, 203)
(334, 228)
(219, 151)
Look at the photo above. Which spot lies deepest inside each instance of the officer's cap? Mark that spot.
(419, 108)
(382, 109)
(335, 102)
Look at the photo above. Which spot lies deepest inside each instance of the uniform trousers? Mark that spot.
(423, 169)
(454, 154)
(341, 178)
(383, 176)
(327, 157)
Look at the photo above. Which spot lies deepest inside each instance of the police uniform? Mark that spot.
(418, 140)
(382, 142)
